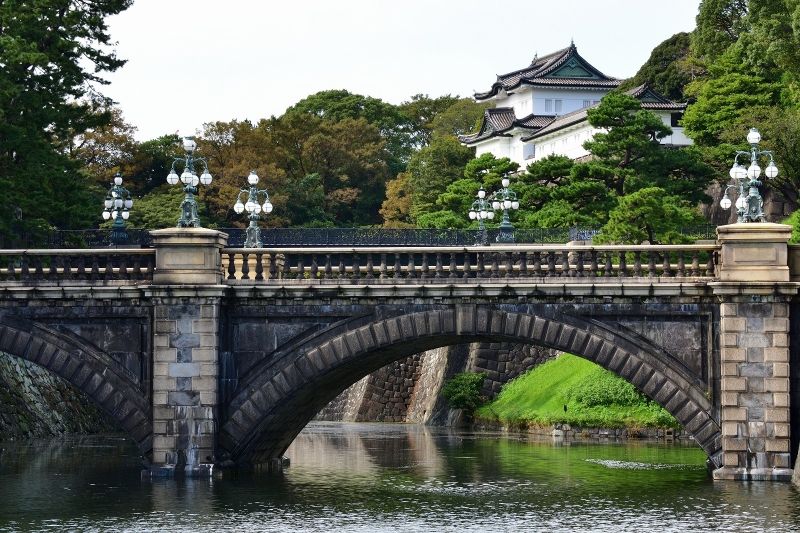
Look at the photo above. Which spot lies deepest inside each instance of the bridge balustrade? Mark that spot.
(447, 264)
(91, 265)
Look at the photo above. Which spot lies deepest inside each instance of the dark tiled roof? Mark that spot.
(560, 123)
(500, 120)
(541, 72)
(573, 82)
(649, 97)
(535, 121)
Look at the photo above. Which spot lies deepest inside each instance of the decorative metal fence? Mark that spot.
(318, 237)
(411, 265)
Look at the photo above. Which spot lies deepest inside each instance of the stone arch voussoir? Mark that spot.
(92, 372)
(266, 416)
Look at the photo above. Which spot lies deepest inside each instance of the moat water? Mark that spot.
(376, 477)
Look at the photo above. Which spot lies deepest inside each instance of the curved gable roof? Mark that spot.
(565, 67)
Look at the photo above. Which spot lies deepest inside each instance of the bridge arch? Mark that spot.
(272, 407)
(90, 371)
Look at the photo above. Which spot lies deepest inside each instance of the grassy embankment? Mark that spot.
(594, 398)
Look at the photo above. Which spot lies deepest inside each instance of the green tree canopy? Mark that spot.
(668, 69)
(53, 54)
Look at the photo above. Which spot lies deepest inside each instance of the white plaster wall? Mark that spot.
(568, 142)
(678, 137)
(499, 147)
(572, 99)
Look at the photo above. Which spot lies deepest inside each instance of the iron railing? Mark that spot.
(318, 237)
(446, 264)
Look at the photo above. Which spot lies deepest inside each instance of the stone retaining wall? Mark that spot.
(387, 394)
(35, 403)
(569, 432)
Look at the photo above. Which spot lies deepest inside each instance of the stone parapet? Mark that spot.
(188, 256)
(186, 298)
(754, 292)
(754, 252)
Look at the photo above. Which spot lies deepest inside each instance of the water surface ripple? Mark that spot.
(377, 477)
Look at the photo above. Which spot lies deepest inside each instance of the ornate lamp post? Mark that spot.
(254, 208)
(190, 180)
(117, 205)
(749, 204)
(505, 199)
(481, 210)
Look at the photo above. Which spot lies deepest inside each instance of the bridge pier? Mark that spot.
(186, 296)
(754, 293)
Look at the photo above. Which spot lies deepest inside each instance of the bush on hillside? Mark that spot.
(601, 387)
(463, 391)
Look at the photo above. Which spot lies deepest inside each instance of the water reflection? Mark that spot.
(375, 477)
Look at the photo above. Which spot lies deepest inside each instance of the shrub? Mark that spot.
(463, 391)
(601, 387)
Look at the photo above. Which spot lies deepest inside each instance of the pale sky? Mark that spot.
(196, 61)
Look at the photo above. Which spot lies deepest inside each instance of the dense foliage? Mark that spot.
(463, 391)
(53, 54)
(337, 158)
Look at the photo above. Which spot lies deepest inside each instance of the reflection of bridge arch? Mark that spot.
(272, 406)
(96, 374)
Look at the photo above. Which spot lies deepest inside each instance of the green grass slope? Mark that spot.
(594, 398)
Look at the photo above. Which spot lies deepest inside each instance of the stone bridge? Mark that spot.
(208, 355)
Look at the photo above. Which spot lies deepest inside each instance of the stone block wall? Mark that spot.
(35, 403)
(504, 361)
(388, 391)
(185, 370)
(754, 388)
(386, 394)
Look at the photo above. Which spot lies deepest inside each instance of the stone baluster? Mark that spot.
(623, 266)
(108, 273)
(398, 268)
(579, 264)
(411, 272)
(537, 264)
(453, 266)
(53, 272)
(565, 270)
(551, 263)
(123, 267)
(509, 265)
(681, 265)
(666, 266)
(425, 266)
(637, 264)
(328, 267)
(480, 267)
(301, 267)
(609, 270)
(594, 268)
(384, 268)
(439, 266)
(314, 267)
(273, 266)
(259, 266)
(245, 265)
(695, 263)
(231, 265)
(467, 267)
(25, 273)
(370, 274)
(495, 265)
(651, 265)
(523, 264)
(287, 267)
(37, 267)
(137, 267)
